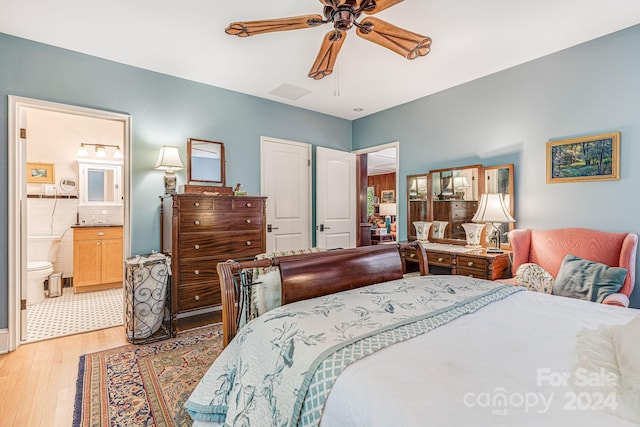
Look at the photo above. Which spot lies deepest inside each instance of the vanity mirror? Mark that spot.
(205, 161)
(499, 179)
(100, 183)
(417, 202)
(454, 201)
(449, 198)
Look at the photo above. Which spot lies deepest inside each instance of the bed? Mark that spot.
(356, 344)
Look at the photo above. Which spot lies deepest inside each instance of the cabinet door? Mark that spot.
(112, 262)
(87, 256)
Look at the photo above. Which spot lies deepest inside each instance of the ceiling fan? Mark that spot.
(343, 14)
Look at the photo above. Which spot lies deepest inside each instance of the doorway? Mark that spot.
(48, 203)
(378, 191)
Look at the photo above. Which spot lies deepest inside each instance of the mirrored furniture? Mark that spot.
(205, 161)
(452, 196)
(417, 202)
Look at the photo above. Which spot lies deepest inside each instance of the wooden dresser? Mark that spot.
(199, 231)
(478, 264)
(456, 212)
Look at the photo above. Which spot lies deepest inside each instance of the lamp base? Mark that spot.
(169, 182)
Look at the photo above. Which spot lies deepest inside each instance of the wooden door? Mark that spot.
(335, 199)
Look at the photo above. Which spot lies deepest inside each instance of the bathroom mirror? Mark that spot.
(100, 183)
(205, 161)
(499, 179)
(454, 200)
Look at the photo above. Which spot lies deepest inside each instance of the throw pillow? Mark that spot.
(625, 341)
(587, 280)
(534, 278)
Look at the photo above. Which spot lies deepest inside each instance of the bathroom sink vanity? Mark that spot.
(97, 257)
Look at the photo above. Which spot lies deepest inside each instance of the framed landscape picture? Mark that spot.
(589, 158)
(41, 173)
(388, 196)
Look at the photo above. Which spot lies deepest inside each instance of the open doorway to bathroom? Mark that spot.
(69, 187)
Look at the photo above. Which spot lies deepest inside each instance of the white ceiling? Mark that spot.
(471, 39)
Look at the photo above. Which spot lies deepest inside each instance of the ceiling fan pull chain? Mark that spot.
(336, 87)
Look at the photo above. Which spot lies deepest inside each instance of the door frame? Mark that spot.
(16, 184)
(308, 147)
(362, 193)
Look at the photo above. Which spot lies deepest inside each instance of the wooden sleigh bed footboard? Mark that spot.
(310, 275)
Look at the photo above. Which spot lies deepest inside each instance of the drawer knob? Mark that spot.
(248, 221)
(196, 222)
(440, 259)
(196, 272)
(100, 233)
(248, 243)
(471, 275)
(412, 255)
(196, 247)
(197, 298)
(248, 205)
(470, 263)
(196, 204)
(98, 243)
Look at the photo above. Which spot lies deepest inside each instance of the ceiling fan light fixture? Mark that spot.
(344, 15)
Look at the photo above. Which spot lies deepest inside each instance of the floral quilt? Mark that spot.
(281, 366)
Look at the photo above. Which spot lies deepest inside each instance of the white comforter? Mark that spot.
(519, 349)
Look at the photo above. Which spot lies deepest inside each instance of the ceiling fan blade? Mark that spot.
(381, 5)
(251, 28)
(404, 42)
(331, 45)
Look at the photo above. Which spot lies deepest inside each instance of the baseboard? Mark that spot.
(4, 341)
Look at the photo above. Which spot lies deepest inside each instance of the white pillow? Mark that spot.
(268, 292)
(626, 341)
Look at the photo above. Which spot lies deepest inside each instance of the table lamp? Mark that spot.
(169, 161)
(493, 210)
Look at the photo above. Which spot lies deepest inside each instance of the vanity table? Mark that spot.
(462, 261)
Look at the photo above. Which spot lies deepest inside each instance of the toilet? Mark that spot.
(41, 253)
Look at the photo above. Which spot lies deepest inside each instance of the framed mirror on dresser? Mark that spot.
(205, 161)
(451, 200)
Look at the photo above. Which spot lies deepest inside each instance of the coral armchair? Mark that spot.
(547, 248)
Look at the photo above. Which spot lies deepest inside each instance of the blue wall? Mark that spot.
(165, 111)
(509, 116)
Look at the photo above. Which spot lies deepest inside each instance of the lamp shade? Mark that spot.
(492, 209)
(387, 209)
(169, 159)
(460, 182)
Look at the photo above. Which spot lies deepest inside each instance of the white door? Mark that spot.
(286, 182)
(335, 199)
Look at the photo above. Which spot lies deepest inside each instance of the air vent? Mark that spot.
(289, 92)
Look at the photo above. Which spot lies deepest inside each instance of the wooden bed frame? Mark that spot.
(311, 275)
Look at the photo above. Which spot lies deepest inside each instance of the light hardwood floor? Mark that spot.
(38, 380)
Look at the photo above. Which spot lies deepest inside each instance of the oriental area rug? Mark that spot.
(144, 385)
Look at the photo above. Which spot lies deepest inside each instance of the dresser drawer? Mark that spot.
(198, 271)
(197, 295)
(197, 204)
(226, 243)
(465, 261)
(440, 259)
(92, 233)
(472, 272)
(195, 222)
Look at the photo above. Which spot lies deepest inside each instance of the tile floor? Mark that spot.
(74, 313)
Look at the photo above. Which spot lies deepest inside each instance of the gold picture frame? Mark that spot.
(40, 173)
(388, 196)
(588, 158)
